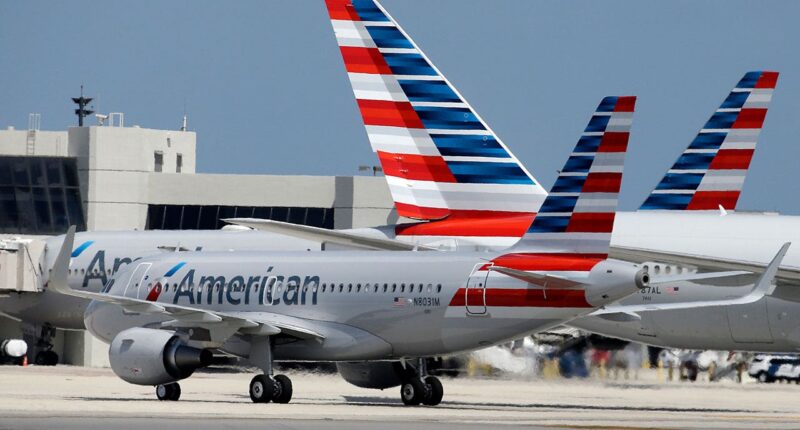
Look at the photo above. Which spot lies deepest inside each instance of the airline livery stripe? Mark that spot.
(750, 118)
(420, 212)
(389, 113)
(416, 167)
(602, 182)
(532, 297)
(735, 159)
(81, 248)
(710, 200)
(364, 60)
(571, 262)
(472, 223)
(589, 222)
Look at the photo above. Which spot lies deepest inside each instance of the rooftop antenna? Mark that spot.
(185, 123)
(81, 111)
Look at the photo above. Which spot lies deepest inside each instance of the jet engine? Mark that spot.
(376, 374)
(612, 280)
(145, 356)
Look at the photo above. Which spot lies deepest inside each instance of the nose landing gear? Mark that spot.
(168, 391)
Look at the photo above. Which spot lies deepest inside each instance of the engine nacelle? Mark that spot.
(611, 280)
(376, 374)
(145, 356)
(13, 348)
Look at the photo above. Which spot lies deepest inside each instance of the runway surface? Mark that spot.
(81, 398)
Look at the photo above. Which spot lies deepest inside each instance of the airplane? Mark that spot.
(471, 225)
(163, 315)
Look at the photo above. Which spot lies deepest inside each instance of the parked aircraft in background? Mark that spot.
(162, 315)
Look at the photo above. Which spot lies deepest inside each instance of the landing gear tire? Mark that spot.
(412, 392)
(283, 389)
(46, 358)
(168, 391)
(763, 377)
(434, 391)
(262, 389)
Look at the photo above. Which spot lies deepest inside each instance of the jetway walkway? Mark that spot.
(20, 270)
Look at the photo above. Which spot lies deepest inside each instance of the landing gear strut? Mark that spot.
(41, 338)
(420, 388)
(266, 387)
(168, 391)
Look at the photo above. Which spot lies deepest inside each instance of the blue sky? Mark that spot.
(266, 90)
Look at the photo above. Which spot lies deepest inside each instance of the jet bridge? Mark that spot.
(20, 270)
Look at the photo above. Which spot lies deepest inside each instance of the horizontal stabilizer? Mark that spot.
(761, 288)
(318, 234)
(542, 280)
(689, 277)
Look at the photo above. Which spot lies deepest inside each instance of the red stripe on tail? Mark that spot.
(602, 182)
(472, 223)
(767, 80)
(549, 262)
(591, 222)
(389, 113)
(710, 200)
(364, 60)
(732, 159)
(416, 167)
(342, 10)
(420, 212)
(750, 118)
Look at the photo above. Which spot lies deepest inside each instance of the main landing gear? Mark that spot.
(266, 387)
(40, 343)
(420, 388)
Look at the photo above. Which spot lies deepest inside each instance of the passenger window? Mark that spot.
(419, 289)
(349, 288)
(385, 287)
(323, 288)
(402, 288)
(438, 288)
(341, 288)
(394, 288)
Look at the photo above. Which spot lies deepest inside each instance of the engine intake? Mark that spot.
(146, 356)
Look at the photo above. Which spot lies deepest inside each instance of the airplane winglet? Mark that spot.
(765, 281)
(58, 278)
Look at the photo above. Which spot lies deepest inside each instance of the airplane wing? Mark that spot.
(762, 287)
(221, 325)
(325, 235)
(787, 275)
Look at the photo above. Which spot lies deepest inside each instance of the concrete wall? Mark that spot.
(47, 143)
(115, 165)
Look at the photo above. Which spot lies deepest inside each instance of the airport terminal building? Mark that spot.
(111, 177)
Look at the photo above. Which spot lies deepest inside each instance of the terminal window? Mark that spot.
(196, 217)
(158, 160)
(39, 195)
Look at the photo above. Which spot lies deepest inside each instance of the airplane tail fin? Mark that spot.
(439, 157)
(712, 170)
(577, 216)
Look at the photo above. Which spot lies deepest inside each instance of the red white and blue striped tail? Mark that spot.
(578, 215)
(439, 157)
(712, 170)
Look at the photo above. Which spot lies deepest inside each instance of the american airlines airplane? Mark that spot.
(164, 315)
(457, 176)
